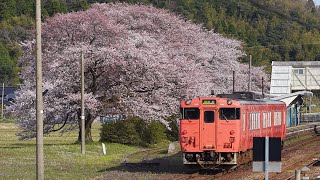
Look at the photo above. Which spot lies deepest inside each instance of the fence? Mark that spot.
(111, 118)
(310, 117)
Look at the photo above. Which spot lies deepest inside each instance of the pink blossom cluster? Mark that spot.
(139, 60)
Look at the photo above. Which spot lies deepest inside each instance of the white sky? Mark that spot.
(317, 2)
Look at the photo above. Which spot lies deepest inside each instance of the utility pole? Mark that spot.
(266, 166)
(40, 161)
(249, 84)
(262, 93)
(2, 100)
(83, 141)
(233, 81)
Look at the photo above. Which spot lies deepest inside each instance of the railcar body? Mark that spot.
(220, 130)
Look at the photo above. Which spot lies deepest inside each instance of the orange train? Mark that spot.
(219, 130)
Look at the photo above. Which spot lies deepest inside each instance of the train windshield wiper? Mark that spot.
(188, 118)
(225, 117)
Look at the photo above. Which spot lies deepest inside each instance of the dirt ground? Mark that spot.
(171, 167)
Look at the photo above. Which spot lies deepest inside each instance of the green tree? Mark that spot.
(25, 7)
(7, 67)
(55, 6)
(155, 132)
(210, 15)
(76, 5)
(7, 9)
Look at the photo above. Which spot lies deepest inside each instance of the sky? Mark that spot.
(317, 2)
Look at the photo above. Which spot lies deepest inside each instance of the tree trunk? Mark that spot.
(88, 123)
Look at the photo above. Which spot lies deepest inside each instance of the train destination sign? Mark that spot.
(208, 101)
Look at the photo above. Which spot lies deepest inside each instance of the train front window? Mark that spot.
(229, 113)
(208, 116)
(189, 113)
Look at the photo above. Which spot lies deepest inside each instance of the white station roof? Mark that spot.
(289, 98)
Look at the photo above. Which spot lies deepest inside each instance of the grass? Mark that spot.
(296, 139)
(62, 158)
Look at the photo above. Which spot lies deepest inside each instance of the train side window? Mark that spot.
(254, 121)
(251, 121)
(250, 126)
(208, 116)
(264, 119)
(280, 115)
(269, 119)
(229, 113)
(277, 118)
(258, 121)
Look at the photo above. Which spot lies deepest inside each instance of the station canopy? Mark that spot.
(293, 98)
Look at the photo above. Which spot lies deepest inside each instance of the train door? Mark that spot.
(244, 129)
(208, 129)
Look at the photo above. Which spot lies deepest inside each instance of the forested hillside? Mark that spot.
(17, 23)
(271, 30)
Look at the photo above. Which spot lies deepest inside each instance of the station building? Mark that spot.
(295, 82)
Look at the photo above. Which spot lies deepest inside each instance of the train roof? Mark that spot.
(249, 98)
(259, 101)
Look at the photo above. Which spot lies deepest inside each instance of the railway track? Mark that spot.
(303, 142)
(309, 165)
(295, 156)
(142, 161)
(291, 132)
(289, 163)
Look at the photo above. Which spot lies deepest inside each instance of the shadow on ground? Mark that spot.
(170, 164)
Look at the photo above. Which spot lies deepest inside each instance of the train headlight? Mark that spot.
(189, 156)
(229, 101)
(188, 102)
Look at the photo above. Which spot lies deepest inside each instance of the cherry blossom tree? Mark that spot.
(139, 61)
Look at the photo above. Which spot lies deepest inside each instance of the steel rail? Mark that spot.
(310, 164)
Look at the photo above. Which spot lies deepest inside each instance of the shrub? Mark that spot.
(155, 132)
(123, 132)
(133, 131)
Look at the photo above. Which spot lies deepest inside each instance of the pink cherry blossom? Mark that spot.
(139, 60)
